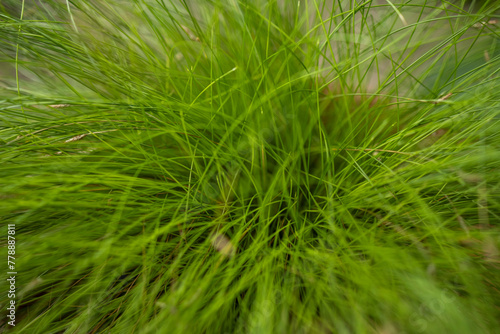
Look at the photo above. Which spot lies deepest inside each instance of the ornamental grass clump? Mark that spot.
(251, 166)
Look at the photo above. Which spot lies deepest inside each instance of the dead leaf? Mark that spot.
(59, 105)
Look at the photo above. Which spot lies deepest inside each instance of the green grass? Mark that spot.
(251, 166)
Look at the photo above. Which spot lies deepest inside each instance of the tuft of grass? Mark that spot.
(251, 166)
